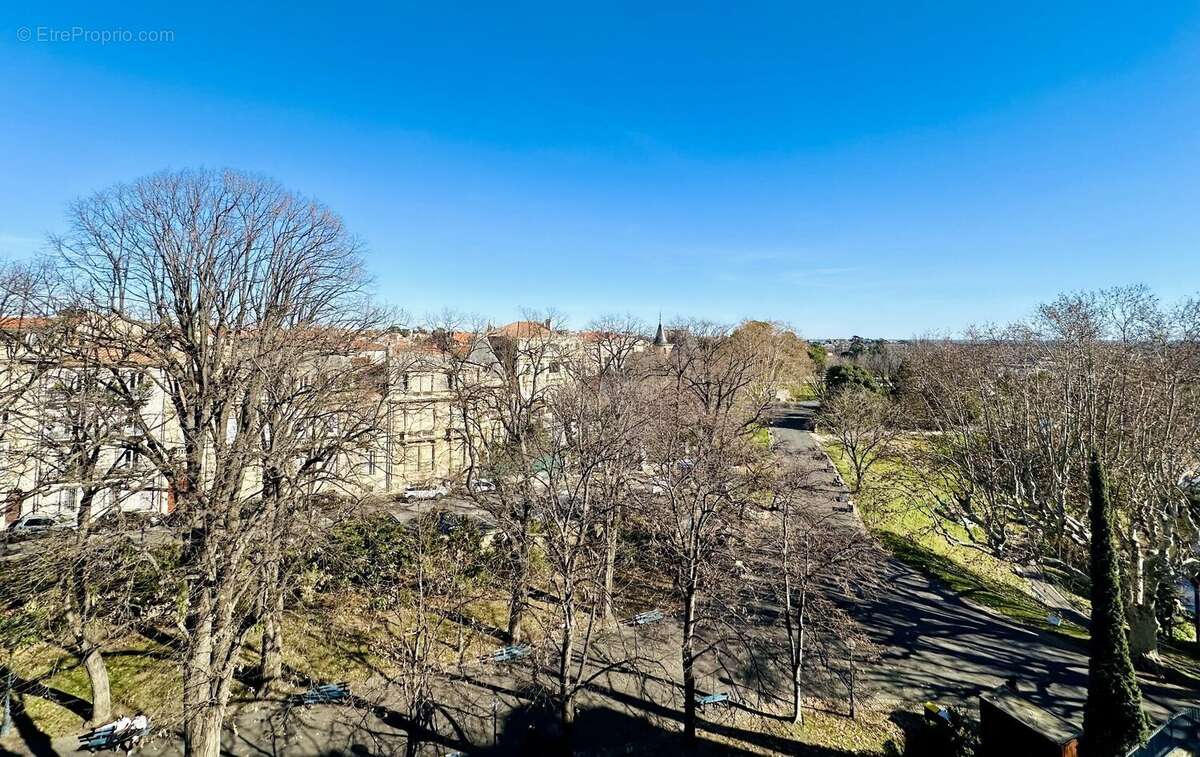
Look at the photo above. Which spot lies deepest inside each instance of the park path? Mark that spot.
(936, 646)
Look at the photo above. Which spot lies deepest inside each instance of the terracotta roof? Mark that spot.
(522, 330)
(22, 322)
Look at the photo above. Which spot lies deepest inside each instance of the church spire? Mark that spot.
(660, 336)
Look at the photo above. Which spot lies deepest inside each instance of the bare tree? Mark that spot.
(322, 421)
(864, 427)
(30, 298)
(820, 563)
(530, 363)
(70, 446)
(1017, 409)
(699, 483)
(618, 365)
(591, 429)
(209, 277)
(782, 356)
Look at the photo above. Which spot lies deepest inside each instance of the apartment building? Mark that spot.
(437, 391)
(63, 441)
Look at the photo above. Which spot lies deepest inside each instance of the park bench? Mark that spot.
(707, 699)
(508, 654)
(326, 693)
(109, 737)
(646, 618)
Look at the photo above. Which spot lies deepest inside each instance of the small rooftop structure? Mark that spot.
(1011, 724)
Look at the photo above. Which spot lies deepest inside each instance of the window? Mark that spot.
(129, 459)
(458, 455)
(66, 500)
(419, 421)
(134, 380)
(425, 452)
(371, 462)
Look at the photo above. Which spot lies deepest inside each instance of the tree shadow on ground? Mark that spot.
(473, 624)
(599, 731)
(35, 688)
(35, 740)
(965, 583)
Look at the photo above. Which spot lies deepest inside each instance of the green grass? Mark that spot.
(912, 535)
(803, 392)
(871, 734)
(141, 677)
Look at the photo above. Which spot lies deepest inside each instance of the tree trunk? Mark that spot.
(203, 710)
(1139, 612)
(202, 732)
(566, 688)
(80, 600)
(1196, 607)
(797, 672)
(568, 721)
(270, 672)
(519, 594)
(1143, 632)
(516, 606)
(689, 672)
(853, 687)
(610, 568)
(858, 476)
(97, 671)
(797, 711)
(270, 663)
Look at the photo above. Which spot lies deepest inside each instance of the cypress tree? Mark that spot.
(1113, 722)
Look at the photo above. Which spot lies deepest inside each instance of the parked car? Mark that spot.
(33, 524)
(482, 486)
(424, 491)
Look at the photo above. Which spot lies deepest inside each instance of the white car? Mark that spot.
(33, 523)
(482, 486)
(425, 491)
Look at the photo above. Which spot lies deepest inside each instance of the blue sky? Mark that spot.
(883, 169)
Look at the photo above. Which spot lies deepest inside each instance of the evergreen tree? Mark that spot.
(1113, 722)
(843, 375)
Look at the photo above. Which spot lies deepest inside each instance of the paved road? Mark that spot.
(937, 646)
